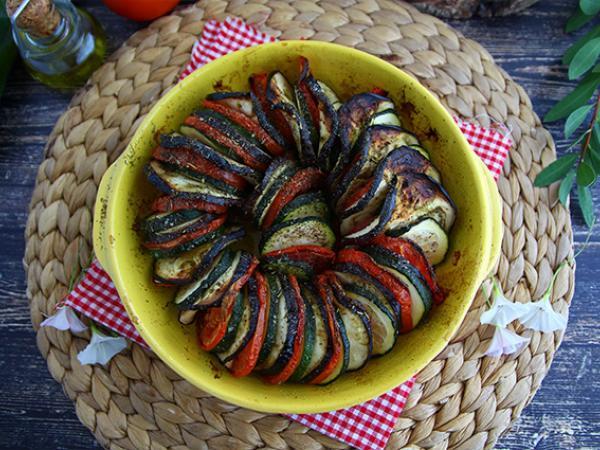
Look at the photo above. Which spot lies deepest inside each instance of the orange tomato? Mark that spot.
(141, 10)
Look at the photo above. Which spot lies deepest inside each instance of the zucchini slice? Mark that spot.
(357, 325)
(376, 142)
(321, 332)
(273, 183)
(273, 330)
(330, 94)
(354, 116)
(262, 109)
(211, 154)
(226, 276)
(301, 261)
(239, 101)
(287, 319)
(192, 163)
(420, 295)
(184, 268)
(429, 236)
(354, 275)
(175, 183)
(159, 222)
(368, 223)
(285, 264)
(310, 329)
(281, 96)
(209, 288)
(418, 197)
(233, 323)
(304, 180)
(220, 129)
(327, 123)
(180, 229)
(344, 361)
(382, 320)
(311, 204)
(386, 117)
(336, 357)
(247, 325)
(304, 231)
(187, 245)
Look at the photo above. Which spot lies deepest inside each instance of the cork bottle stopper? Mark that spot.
(37, 17)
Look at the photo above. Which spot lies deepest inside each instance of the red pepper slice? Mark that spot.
(400, 291)
(189, 159)
(355, 195)
(258, 86)
(294, 360)
(379, 91)
(336, 352)
(211, 324)
(248, 124)
(318, 257)
(303, 181)
(413, 254)
(221, 138)
(245, 361)
(212, 226)
(167, 203)
(311, 101)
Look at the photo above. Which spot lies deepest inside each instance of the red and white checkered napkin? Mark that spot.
(365, 426)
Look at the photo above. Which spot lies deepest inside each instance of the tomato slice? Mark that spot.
(211, 324)
(318, 257)
(413, 254)
(258, 86)
(398, 289)
(248, 124)
(189, 159)
(311, 101)
(294, 360)
(303, 181)
(355, 195)
(245, 361)
(379, 91)
(221, 138)
(167, 203)
(336, 352)
(211, 226)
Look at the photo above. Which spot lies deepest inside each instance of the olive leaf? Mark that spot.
(555, 171)
(575, 119)
(586, 204)
(568, 56)
(565, 187)
(584, 59)
(589, 7)
(577, 20)
(594, 155)
(576, 98)
(585, 174)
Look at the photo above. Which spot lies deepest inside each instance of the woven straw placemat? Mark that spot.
(461, 400)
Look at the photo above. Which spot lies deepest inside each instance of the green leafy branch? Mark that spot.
(580, 107)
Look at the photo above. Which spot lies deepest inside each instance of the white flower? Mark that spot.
(505, 342)
(503, 311)
(65, 319)
(101, 348)
(540, 315)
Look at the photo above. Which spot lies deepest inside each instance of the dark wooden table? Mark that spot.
(34, 412)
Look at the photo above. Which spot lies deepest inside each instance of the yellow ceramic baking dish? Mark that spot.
(475, 237)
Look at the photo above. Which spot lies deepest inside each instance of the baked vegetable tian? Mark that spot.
(300, 231)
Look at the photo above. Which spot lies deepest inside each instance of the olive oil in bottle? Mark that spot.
(60, 44)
